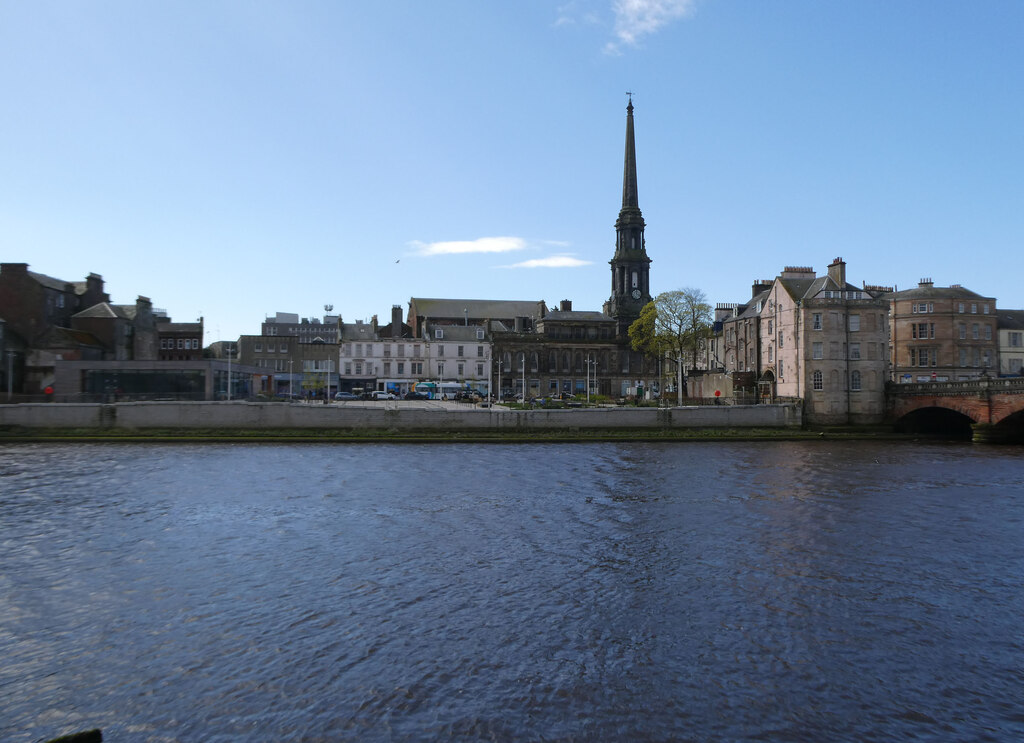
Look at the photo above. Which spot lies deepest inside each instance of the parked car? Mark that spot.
(414, 395)
(346, 396)
(384, 395)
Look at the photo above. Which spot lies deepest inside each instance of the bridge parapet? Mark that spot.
(985, 385)
(984, 401)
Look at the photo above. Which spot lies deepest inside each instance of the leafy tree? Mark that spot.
(643, 332)
(674, 325)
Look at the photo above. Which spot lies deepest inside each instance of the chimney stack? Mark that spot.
(396, 321)
(837, 272)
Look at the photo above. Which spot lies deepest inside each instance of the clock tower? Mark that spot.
(630, 264)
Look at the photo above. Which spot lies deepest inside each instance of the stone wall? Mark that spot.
(397, 417)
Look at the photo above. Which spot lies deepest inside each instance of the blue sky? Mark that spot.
(235, 159)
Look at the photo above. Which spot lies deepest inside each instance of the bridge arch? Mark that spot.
(937, 420)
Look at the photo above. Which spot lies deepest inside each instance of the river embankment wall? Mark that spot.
(384, 416)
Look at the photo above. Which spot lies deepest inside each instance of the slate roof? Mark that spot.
(57, 337)
(482, 308)
(50, 282)
(455, 332)
(106, 310)
(800, 288)
(179, 327)
(1010, 319)
(359, 331)
(937, 292)
(577, 316)
(750, 308)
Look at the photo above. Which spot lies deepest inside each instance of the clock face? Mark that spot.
(636, 294)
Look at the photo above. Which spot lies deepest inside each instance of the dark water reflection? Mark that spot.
(545, 592)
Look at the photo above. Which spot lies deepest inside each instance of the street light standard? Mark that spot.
(327, 389)
(591, 362)
(10, 375)
(228, 350)
(290, 362)
(523, 370)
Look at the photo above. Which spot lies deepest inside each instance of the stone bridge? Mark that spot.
(994, 408)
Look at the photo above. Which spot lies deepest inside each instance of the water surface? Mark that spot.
(684, 591)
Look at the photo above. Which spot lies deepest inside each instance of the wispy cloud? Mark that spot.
(569, 14)
(553, 261)
(480, 245)
(635, 19)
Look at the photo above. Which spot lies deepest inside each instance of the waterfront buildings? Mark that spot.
(815, 338)
(800, 336)
(942, 334)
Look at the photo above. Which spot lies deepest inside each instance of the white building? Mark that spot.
(1011, 342)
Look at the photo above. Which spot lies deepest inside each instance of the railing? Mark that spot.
(1010, 385)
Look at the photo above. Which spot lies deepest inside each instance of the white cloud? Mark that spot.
(480, 245)
(570, 13)
(554, 261)
(637, 18)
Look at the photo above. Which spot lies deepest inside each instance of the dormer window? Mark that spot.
(480, 334)
(439, 333)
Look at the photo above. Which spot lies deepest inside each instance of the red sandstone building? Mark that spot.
(942, 334)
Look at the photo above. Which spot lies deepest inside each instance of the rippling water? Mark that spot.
(708, 591)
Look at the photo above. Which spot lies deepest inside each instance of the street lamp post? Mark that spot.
(290, 378)
(523, 370)
(591, 362)
(10, 375)
(228, 349)
(328, 308)
(679, 381)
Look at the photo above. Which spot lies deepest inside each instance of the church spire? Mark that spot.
(630, 224)
(629, 193)
(630, 264)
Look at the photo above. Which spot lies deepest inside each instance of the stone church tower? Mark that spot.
(630, 264)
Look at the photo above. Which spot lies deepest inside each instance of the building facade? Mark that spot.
(1011, 342)
(942, 334)
(814, 338)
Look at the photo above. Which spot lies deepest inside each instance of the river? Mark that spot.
(710, 591)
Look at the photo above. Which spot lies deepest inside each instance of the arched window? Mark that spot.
(520, 361)
(855, 380)
(534, 361)
(578, 365)
(565, 361)
(507, 362)
(819, 380)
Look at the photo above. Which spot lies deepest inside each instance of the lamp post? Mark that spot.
(228, 349)
(591, 361)
(679, 381)
(10, 375)
(491, 378)
(523, 370)
(328, 308)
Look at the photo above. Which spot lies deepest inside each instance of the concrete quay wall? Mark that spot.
(384, 416)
